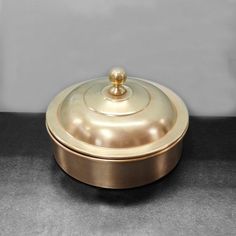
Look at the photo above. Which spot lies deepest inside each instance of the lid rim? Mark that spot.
(131, 158)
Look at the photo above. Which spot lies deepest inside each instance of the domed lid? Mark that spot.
(118, 119)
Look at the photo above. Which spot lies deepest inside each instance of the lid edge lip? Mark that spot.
(138, 157)
(118, 160)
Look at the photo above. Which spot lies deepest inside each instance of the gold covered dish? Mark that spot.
(117, 131)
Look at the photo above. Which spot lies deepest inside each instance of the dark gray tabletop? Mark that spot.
(38, 198)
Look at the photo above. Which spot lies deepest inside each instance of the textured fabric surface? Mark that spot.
(38, 198)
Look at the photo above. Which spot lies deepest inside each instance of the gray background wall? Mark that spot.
(189, 46)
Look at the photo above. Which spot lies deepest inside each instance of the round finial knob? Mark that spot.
(117, 77)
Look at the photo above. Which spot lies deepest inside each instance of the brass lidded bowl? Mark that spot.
(117, 131)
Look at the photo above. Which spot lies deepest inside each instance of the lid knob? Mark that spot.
(117, 76)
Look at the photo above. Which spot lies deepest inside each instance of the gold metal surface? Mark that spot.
(116, 174)
(131, 130)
